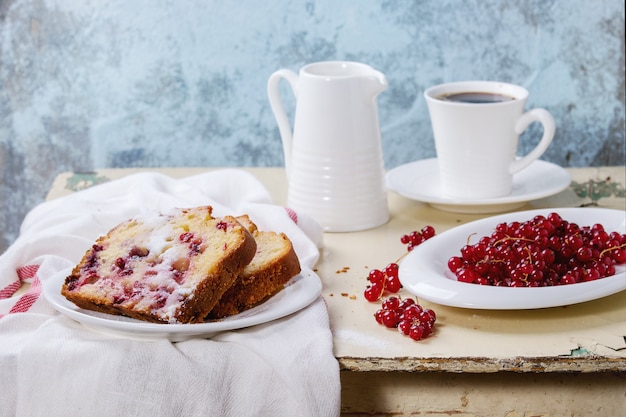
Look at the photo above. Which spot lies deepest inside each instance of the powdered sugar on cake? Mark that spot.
(150, 278)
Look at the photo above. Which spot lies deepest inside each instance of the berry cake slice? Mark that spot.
(164, 268)
(273, 265)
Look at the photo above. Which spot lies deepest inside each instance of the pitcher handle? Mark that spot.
(276, 104)
(535, 115)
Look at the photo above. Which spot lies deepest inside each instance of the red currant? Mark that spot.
(391, 270)
(404, 326)
(379, 315)
(427, 329)
(428, 232)
(390, 318)
(373, 292)
(454, 263)
(412, 312)
(416, 332)
(466, 275)
(431, 313)
(619, 255)
(393, 284)
(392, 303)
(376, 276)
(405, 303)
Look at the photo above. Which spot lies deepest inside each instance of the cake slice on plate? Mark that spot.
(273, 265)
(162, 267)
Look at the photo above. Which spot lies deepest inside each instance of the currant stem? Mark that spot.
(612, 249)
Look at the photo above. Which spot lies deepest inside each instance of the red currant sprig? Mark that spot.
(404, 314)
(416, 238)
(407, 316)
(383, 281)
(387, 280)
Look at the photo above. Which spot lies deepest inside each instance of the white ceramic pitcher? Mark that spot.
(334, 160)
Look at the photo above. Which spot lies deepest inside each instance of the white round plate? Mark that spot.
(420, 181)
(424, 271)
(298, 293)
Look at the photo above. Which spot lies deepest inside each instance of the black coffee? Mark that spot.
(475, 97)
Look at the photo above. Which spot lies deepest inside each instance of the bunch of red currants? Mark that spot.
(406, 315)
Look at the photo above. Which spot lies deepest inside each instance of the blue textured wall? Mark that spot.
(125, 83)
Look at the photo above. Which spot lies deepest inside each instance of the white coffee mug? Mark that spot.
(476, 126)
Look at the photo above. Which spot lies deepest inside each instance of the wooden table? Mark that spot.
(562, 361)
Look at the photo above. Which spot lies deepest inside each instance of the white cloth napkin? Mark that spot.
(53, 366)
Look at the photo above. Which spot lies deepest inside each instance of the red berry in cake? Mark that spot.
(138, 251)
(185, 237)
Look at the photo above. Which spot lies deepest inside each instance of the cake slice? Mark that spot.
(164, 268)
(273, 265)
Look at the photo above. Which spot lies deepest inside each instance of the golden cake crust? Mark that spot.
(273, 265)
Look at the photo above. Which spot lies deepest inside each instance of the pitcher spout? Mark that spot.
(374, 84)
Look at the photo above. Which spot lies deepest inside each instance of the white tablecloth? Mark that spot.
(51, 365)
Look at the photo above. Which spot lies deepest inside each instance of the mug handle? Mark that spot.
(276, 104)
(547, 121)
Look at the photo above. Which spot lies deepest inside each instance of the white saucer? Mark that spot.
(420, 181)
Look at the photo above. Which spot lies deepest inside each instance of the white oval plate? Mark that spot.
(298, 293)
(424, 271)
